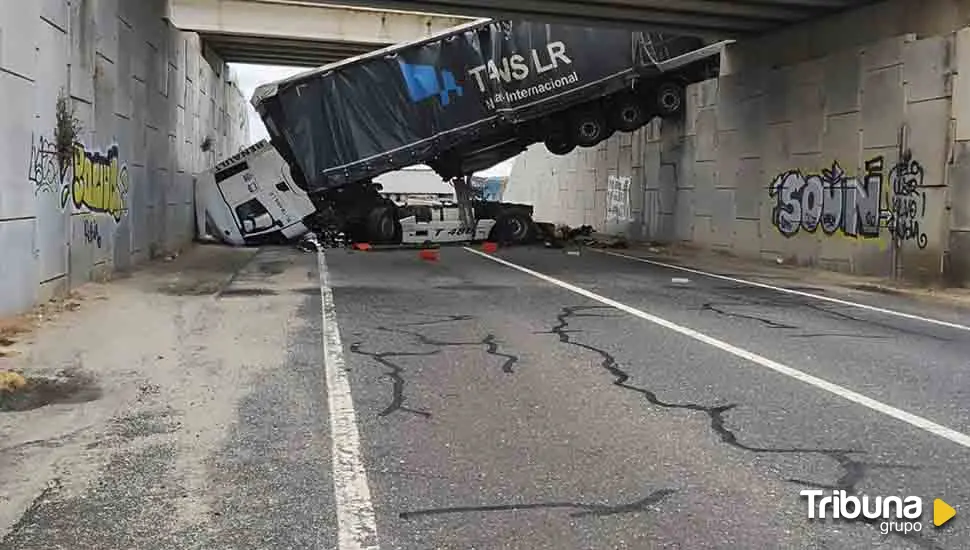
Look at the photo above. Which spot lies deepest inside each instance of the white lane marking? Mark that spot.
(792, 291)
(356, 523)
(878, 406)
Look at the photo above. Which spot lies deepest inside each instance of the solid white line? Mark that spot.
(912, 419)
(356, 523)
(791, 291)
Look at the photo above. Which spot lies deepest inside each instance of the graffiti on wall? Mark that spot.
(618, 200)
(92, 231)
(98, 183)
(93, 181)
(43, 170)
(859, 206)
(908, 206)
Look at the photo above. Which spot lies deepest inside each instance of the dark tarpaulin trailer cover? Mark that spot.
(404, 105)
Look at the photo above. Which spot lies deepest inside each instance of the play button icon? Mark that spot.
(942, 512)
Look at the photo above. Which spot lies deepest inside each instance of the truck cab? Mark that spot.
(251, 199)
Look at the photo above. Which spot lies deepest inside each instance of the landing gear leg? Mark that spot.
(463, 194)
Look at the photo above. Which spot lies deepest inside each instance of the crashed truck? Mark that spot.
(462, 101)
(251, 199)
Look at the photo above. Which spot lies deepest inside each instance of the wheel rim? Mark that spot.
(589, 130)
(670, 100)
(630, 115)
(515, 229)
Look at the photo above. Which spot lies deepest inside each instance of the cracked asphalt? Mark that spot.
(495, 410)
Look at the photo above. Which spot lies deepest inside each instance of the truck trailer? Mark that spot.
(466, 99)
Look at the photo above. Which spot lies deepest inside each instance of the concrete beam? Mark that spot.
(299, 33)
(711, 18)
(309, 21)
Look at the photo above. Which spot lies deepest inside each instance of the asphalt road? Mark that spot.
(476, 406)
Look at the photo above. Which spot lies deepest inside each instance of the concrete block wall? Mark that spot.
(623, 186)
(837, 161)
(146, 98)
(837, 144)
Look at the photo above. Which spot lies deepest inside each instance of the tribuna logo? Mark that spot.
(908, 511)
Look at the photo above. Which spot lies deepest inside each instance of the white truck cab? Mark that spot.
(424, 220)
(250, 198)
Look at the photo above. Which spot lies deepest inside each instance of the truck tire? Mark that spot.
(670, 99)
(559, 145)
(589, 127)
(513, 227)
(382, 226)
(628, 113)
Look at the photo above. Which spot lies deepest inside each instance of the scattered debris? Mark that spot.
(573, 252)
(429, 255)
(490, 247)
(680, 281)
(35, 392)
(585, 235)
(309, 243)
(11, 381)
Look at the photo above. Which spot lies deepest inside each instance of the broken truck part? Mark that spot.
(468, 98)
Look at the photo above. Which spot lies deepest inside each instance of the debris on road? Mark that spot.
(429, 255)
(11, 381)
(19, 393)
(583, 236)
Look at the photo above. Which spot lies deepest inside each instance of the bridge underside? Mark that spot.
(299, 33)
(715, 19)
(263, 50)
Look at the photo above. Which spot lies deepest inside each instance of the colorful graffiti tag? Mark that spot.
(99, 182)
(851, 205)
(92, 181)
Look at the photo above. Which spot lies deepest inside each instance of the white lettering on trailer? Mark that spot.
(512, 68)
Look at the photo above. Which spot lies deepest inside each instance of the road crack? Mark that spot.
(716, 308)
(600, 510)
(490, 342)
(394, 373)
(854, 470)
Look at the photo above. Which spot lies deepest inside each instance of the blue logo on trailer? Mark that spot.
(426, 81)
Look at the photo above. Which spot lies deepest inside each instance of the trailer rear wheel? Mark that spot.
(628, 113)
(670, 98)
(589, 127)
(513, 227)
(559, 145)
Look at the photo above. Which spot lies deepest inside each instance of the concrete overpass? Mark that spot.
(299, 33)
(714, 19)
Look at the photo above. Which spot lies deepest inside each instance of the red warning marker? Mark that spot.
(490, 248)
(429, 255)
(363, 247)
